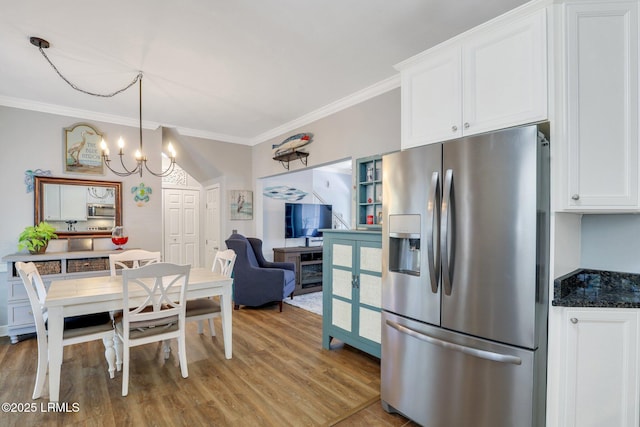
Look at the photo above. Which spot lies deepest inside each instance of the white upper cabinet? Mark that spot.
(601, 99)
(490, 78)
(432, 99)
(505, 75)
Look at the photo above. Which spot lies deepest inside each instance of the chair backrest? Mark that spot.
(244, 251)
(136, 257)
(160, 288)
(256, 246)
(37, 294)
(224, 261)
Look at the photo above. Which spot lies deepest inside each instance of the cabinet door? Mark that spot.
(342, 284)
(431, 99)
(601, 368)
(602, 105)
(505, 75)
(369, 291)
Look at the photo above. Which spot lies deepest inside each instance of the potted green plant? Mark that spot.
(35, 238)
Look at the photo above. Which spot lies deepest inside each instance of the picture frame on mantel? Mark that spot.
(241, 204)
(82, 153)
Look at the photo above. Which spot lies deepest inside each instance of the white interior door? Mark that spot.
(181, 226)
(212, 224)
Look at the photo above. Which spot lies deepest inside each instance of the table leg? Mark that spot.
(225, 302)
(56, 327)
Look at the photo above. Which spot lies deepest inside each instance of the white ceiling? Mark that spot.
(235, 70)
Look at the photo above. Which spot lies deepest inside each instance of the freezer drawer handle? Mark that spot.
(483, 354)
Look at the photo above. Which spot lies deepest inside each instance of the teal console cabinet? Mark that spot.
(352, 289)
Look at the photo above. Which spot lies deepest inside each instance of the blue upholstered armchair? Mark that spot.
(257, 281)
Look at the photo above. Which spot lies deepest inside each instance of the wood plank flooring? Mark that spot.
(279, 376)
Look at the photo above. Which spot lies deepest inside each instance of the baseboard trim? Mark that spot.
(4, 330)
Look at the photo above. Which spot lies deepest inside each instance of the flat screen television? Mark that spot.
(306, 219)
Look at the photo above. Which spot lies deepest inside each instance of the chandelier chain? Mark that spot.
(103, 95)
(141, 160)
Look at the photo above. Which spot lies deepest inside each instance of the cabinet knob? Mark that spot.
(575, 197)
(454, 128)
(573, 320)
(466, 125)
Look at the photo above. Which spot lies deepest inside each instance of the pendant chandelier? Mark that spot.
(140, 158)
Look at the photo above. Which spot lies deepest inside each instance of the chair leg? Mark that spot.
(212, 329)
(117, 344)
(280, 305)
(236, 307)
(43, 359)
(200, 327)
(167, 349)
(110, 355)
(125, 370)
(182, 355)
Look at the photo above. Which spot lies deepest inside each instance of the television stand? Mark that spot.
(308, 262)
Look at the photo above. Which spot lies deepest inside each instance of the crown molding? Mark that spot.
(372, 91)
(42, 107)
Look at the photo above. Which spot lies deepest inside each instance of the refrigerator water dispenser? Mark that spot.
(404, 244)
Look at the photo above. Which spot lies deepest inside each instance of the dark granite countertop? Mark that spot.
(597, 288)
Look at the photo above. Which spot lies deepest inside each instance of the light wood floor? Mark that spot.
(279, 375)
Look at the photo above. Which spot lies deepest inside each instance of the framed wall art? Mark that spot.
(82, 152)
(241, 204)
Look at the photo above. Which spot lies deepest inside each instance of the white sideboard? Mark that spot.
(51, 266)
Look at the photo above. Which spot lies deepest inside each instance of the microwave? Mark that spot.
(101, 211)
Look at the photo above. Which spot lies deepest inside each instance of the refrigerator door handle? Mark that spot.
(471, 351)
(444, 231)
(433, 219)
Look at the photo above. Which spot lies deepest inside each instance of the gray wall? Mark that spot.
(214, 162)
(371, 127)
(611, 242)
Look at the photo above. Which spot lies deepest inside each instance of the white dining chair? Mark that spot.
(132, 258)
(209, 308)
(93, 327)
(159, 314)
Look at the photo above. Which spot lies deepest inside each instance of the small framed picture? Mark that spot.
(82, 153)
(241, 204)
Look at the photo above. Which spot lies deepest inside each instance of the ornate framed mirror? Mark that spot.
(78, 207)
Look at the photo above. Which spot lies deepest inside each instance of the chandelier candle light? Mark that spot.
(140, 158)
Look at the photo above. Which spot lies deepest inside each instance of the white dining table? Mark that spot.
(73, 297)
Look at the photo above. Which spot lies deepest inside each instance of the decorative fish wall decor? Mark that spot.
(292, 143)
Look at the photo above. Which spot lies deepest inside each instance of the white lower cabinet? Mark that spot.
(600, 370)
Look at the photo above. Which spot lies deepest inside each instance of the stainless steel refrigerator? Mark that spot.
(465, 278)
